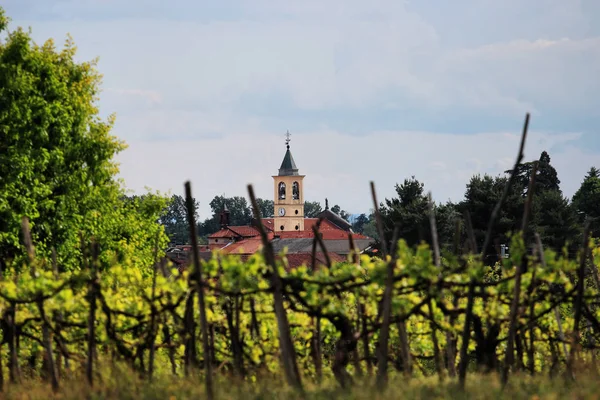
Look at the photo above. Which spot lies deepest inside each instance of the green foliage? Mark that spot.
(546, 178)
(57, 157)
(128, 299)
(408, 211)
(552, 216)
(312, 209)
(587, 199)
(239, 209)
(481, 196)
(4, 20)
(342, 213)
(175, 220)
(358, 225)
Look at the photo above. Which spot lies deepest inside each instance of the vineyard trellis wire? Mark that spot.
(415, 309)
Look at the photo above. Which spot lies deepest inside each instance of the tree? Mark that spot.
(175, 219)
(342, 213)
(586, 200)
(552, 216)
(240, 213)
(370, 228)
(408, 211)
(447, 216)
(546, 178)
(312, 209)
(266, 207)
(359, 223)
(481, 196)
(555, 220)
(57, 157)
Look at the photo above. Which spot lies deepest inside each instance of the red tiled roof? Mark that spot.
(247, 231)
(298, 259)
(235, 231)
(326, 234)
(223, 233)
(247, 246)
(268, 223)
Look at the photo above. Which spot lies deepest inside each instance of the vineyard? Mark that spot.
(233, 325)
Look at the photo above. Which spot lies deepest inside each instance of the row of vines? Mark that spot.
(411, 312)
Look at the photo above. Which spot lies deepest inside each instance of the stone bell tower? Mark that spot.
(288, 195)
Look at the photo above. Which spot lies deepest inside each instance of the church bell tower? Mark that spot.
(288, 195)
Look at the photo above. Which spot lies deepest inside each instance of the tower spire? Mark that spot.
(288, 166)
(287, 139)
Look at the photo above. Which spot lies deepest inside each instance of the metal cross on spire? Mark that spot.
(287, 139)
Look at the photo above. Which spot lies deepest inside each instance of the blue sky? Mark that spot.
(378, 90)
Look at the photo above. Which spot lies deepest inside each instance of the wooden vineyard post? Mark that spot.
(514, 309)
(578, 304)
(197, 273)
(92, 285)
(384, 333)
(288, 354)
(437, 259)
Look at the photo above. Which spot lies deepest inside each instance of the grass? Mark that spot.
(118, 382)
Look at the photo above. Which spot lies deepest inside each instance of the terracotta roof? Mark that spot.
(325, 225)
(328, 231)
(326, 234)
(335, 219)
(247, 246)
(299, 259)
(247, 231)
(235, 231)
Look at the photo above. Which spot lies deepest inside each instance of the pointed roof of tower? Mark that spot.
(288, 166)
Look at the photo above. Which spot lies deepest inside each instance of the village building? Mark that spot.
(287, 229)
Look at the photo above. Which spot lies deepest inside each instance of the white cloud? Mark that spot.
(336, 55)
(151, 96)
(195, 79)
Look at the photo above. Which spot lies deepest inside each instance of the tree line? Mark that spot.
(554, 216)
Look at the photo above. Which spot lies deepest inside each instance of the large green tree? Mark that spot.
(175, 219)
(56, 157)
(546, 178)
(240, 213)
(342, 213)
(359, 223)
(586, 200)
(481, 195)
(447, 215)
(552, 216)
(312, 209)
(266, 207)
(408, 211)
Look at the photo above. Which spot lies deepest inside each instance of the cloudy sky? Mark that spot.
(370, 90)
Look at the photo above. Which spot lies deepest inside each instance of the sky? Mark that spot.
(376, 90)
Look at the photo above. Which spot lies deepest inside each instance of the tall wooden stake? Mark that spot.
(288, 354)
(514, 309)
(197, 273)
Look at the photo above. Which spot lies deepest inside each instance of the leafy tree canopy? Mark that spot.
(408, 211)
(586, 200)
(57, 158)
(175, 219)
(312, 209)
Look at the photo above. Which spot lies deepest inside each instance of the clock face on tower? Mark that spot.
(281, 211)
